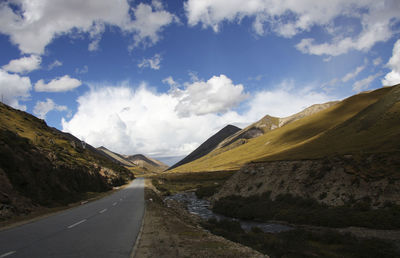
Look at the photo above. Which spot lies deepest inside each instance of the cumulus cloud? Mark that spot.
(364, 83)
(61, 84)
(218, 94)
(24, 64)
(14, 88)
(139, 120)
(43, 107)
(33, 24)
(393, 77)
(153, 62)
(149, 23)
(289, 18)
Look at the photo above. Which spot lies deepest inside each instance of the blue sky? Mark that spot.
(159, 77)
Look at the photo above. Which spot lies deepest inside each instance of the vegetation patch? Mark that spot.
(303, 243)
(204, 183)
(308, 211)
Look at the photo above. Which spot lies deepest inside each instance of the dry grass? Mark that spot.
(315, 136)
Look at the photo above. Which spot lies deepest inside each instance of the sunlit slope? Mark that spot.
(67, 148)
(314, 136)
(41, 166)
(375, 129)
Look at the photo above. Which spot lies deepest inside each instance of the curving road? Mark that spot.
(104, 228)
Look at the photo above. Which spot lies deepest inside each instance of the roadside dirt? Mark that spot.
(173, 232)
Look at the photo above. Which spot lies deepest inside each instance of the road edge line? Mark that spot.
(139, 236)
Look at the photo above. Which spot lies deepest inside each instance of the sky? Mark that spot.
(160, 77)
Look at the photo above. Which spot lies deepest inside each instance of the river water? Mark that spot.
(201, 208)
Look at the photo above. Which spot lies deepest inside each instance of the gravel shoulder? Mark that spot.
(170, 231)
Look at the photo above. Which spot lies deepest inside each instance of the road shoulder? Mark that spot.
(173, 232)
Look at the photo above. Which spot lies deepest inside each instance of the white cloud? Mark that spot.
(284, 100)
(170, 81)
(43, 107)
(61, 84)
(393, 77)
(95, 34)
(353, 74)
(289, 18)
(148, 23)
(55, 64)
(33, 24)
(140, 120)
(83, 70)
(14, 88)
(364, 83)
(24, 64)
(153, 62)
(218, 94)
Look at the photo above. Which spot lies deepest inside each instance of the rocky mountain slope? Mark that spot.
(136, 163)
(208, 145)
(41, 166)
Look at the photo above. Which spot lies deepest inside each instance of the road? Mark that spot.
(104, 228)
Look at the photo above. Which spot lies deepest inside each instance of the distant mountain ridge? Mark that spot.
(134, 162)
(208, 145)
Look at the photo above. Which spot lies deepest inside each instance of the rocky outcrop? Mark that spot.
(372, 180)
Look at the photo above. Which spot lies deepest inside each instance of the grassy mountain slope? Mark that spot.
(138, 164)
(327, 132)
(265, 125)
(147, 162)
(118, 158)
(208, 145)
(42, 166)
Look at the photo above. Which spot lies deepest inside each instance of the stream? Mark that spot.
(201, 208)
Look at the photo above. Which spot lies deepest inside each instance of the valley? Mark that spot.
(328, 175)
(331, 172)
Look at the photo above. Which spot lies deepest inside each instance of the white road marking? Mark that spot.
(77, 223)
(7, 254)
(102, 211)
(115, 203)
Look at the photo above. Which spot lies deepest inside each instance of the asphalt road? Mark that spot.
(104, 228)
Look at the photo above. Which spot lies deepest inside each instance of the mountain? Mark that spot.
(264, 125)
(240, 139)
(341, 163)
(208, 145)
(326, 132)
(42, 166)
(138, 164)
(147, 162)
(117, 158)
